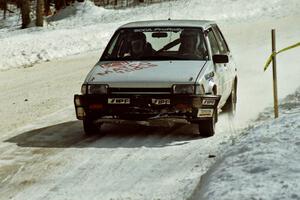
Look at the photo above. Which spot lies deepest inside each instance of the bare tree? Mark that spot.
(3, 6)
(39, 13)
(25, 11)
(47, 8)
(59, 4)
(5, 9)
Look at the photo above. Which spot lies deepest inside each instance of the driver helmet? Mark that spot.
(137, 43)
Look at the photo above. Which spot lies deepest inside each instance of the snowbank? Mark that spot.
(84, 27)
(264, 163)
(67, 33)
(39, 45)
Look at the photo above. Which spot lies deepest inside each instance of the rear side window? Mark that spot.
(213, 42)
(221, 40)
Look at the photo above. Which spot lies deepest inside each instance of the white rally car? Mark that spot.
(164, 69)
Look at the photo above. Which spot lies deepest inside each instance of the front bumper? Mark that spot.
(142, 107)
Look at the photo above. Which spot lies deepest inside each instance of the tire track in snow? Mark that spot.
(127, 162)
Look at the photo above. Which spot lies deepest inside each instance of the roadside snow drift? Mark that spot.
(264, 162)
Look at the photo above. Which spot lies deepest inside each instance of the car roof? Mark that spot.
(170, 23)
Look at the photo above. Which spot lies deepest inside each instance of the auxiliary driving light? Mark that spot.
(80, 113)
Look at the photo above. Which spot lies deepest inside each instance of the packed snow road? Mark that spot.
(129, 162)
(44, 155)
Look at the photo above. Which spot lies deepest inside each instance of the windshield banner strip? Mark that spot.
(157, 29)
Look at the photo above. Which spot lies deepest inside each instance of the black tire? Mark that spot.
(90, 128)
(207, 127)
(230, 105)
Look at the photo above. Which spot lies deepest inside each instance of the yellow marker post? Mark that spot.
(272, 58)
(274, 74)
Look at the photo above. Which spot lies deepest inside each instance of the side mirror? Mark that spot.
(220, 59)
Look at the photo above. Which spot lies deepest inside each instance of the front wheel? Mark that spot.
(230, 105)
(207, 127)
(90, 128)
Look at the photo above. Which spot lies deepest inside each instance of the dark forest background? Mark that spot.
(38, 9)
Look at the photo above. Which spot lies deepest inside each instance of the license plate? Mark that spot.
(161, 101)
(118, 101)
(205, 113)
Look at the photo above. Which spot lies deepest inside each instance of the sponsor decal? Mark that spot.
(118, 101)
(161, 101)
(208, 102)
(158, 29)
(209, 76)
(124, 67)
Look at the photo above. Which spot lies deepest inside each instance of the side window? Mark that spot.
(213, 42)
(221, 40)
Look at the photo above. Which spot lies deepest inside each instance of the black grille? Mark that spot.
(140, 90)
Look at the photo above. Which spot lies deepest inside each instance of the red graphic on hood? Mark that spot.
(124, 66)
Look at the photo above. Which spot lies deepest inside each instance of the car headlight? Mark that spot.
(200, 89)
(83, 89)
(184, 89)
(188, 89)
(97, 89)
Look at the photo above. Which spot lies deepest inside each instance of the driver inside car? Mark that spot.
(139, 47)
(191, 43)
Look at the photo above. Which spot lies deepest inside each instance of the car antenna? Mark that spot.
(169, 10)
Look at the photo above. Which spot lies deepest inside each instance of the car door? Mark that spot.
(220, 70)
(229, 67)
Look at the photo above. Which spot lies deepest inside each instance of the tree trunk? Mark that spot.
(4, 8)
(47, 8)
(39, 13)
(136, 2)
(59, 4)
(25, 11)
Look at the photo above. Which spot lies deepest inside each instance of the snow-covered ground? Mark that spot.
(43, 154)
(264, 163)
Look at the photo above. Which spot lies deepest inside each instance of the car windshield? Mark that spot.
(157, 44)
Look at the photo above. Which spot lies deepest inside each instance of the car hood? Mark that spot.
(145, 73)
